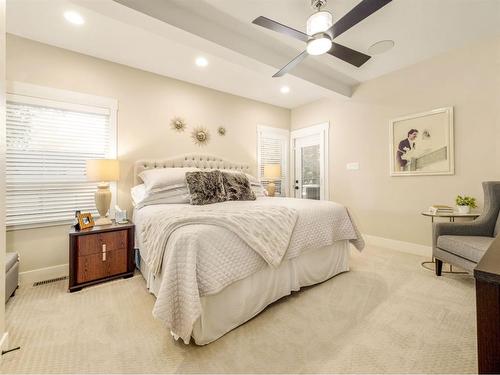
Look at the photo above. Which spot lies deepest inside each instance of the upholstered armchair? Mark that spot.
(464, 244)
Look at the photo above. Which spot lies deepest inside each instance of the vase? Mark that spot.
(463, 209)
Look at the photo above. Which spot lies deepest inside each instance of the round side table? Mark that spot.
(451, 216)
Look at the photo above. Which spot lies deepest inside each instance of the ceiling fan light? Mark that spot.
(319, 46)
(319, 22)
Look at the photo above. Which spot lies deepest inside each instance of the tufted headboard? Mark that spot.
(202, 161)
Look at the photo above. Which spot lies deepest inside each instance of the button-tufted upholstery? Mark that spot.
(202, 161)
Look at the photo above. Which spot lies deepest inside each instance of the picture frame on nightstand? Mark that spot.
(85, 221)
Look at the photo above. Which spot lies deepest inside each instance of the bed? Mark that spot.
(209, 280)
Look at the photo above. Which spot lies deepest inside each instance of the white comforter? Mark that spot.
(266, 230)
(202, 259)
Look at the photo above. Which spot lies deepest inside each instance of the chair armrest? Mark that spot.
(475, 228)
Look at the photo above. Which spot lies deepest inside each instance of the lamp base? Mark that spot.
(271, 189)
(102, 202)
(103, 221)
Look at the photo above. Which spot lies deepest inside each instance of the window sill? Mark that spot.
(11, 228)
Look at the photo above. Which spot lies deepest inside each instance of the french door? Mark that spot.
(310, 162)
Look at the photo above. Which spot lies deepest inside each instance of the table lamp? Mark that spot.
(103, 171)
(272, 172)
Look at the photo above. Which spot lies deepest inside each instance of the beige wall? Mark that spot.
(2, 169)
(467, 79)
(146, 104)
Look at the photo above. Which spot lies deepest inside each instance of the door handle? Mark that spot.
(296, 187)
(103, 252)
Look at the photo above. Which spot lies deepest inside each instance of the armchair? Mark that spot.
(464, 244)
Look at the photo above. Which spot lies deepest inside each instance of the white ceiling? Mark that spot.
(420, 28)
(242, 57)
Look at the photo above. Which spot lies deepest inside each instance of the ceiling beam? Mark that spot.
(205, 21)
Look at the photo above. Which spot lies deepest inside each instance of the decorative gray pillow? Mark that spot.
(205, 187)
(237, 187)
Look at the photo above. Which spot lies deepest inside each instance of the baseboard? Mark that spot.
(4, 344)
(41, 274)
(405, 247)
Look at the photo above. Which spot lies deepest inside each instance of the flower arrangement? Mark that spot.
(466, 201)
(465, 204)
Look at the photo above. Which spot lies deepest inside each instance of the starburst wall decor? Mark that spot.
(178, 124)
(200, 136)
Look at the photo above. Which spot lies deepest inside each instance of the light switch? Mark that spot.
(352, 166)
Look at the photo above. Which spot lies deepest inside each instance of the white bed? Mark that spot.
(232, 304)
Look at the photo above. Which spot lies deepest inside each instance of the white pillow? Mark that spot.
(138, 194)
(160, 199)
(258, 190)
(141, 198)
(161, 179)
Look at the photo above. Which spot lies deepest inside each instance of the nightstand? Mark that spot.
(100, 254)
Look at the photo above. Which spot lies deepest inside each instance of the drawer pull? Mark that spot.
(103, 252)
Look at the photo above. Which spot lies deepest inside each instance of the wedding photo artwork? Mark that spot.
(422, 144)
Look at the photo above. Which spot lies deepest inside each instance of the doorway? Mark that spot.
(309, 157)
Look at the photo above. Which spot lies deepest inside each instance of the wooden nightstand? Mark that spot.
(100, 254)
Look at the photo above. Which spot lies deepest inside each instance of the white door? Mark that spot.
(310, 159)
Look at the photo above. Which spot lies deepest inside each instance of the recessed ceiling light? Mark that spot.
(74, 18)
(285, 89)
(201, 61)
(381, 47)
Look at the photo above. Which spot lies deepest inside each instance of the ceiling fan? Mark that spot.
(321, 31)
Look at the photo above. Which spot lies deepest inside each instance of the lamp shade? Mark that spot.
(103, 170)
(272, 171)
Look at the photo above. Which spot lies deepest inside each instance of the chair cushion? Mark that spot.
(10, 260)
(497, 227)
(469, 247)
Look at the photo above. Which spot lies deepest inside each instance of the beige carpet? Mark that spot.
(386, 315)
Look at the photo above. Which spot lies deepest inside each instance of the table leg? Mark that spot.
(432, 221)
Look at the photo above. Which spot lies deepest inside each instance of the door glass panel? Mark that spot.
(310, 172)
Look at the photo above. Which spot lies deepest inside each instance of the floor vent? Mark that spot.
(38, 283)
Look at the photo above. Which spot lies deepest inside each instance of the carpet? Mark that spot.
(387, 315)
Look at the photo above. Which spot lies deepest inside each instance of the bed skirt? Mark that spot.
(242, 300)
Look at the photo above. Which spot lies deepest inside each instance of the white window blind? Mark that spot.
(272, 148)
(48, 143)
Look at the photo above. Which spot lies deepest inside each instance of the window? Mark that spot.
(272, 148)
(48, 141)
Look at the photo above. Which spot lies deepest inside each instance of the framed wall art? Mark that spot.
(422, 144)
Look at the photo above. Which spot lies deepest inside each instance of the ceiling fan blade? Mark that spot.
(292, 64)
(349, 55)
(278, 27)
(357, 14)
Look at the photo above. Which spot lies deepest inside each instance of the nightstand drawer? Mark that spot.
(100, 254)
(97, 266)
(93, 243)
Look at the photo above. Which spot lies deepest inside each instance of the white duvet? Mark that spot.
(266, 230)
(202, 259)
